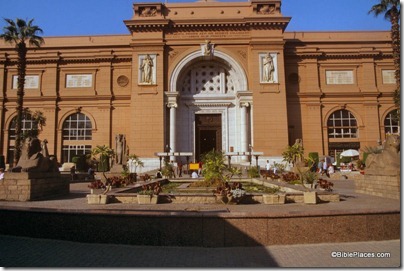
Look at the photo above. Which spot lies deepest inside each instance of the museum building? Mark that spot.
(190, 77)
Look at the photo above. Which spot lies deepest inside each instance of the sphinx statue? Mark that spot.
(35, 157)
(388, 159)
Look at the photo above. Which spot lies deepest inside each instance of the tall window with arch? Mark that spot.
(77, 136)
(391, 123)
(342, 131)
(342, 124)
(27, 124)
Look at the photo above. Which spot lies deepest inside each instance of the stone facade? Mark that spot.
(91, 88)
(28, 186)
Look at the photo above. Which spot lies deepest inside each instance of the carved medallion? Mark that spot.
(122, 81)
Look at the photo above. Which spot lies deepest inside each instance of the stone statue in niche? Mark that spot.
(146, 69)
(268, 70)
(120, 146)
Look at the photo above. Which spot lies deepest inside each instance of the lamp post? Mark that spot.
(167, 152)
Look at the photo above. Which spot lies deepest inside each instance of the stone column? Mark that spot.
(173, 141)
(244, 128)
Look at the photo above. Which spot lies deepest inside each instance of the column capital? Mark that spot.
(244, 104)
(172, 104)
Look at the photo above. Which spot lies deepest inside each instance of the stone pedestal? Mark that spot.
(310, 197)
(116, 169)
(380, 183)
(97, 199)
(28, 186)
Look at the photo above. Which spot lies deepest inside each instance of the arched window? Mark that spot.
(391, 123)
(77, 127)
(27, 124)
(77, 133)
(342, 124)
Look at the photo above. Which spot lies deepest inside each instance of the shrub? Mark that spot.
(97, 184)
(81, 163)
(253, 172)
(290, 177)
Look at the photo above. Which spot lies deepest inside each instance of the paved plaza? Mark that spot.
(18, 251)
(30, 252)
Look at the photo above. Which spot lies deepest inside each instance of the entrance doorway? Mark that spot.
(208, 128)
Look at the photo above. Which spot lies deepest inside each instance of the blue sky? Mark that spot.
(99, 17)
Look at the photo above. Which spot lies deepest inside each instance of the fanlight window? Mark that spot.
(342, 124)
(77, 127)
(391, 123)
(207, 78)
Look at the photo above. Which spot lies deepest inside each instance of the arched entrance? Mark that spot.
(207, 108)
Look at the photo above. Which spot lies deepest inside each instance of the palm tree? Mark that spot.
(391, 10)
(19, 33)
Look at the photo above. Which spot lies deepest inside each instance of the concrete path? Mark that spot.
(43, 253)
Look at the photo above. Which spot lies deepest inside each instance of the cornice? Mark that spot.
(166, 24)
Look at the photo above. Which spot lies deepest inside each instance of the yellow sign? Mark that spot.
(193, 166)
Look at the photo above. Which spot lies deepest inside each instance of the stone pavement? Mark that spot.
(30, 252)
(44, 253)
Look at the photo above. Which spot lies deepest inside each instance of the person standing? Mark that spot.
(320, 166)
(268, 166)
(325, 168)
(179, 169)
(200, 168)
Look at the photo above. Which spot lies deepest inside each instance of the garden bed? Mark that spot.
(181, 193)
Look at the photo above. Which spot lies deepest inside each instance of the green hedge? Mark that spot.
(81, 163)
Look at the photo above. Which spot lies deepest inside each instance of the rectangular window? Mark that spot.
(31, 82)
(388, 76)
(79, 80)
(339, 77)
(70, 151)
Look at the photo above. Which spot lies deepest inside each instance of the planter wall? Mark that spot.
(206, 229)
(28, 186)
(274, 198)
(147, 199)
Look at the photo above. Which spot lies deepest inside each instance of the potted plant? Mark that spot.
(295, 155)
(149, 194)
(98, 197)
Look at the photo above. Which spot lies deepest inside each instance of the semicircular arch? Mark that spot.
(234, 67)
(73, 111)
(337, 108)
